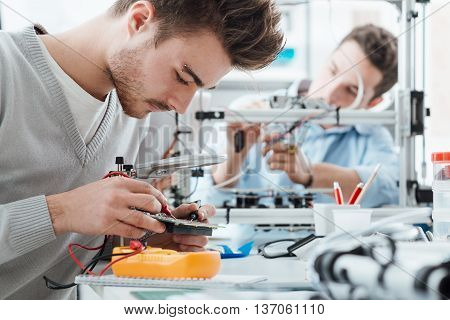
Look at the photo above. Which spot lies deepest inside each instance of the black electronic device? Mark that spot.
(181, 226)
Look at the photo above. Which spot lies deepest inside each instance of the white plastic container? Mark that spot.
(441, 224)
(441, 195)
(350, 220)
(324, 217)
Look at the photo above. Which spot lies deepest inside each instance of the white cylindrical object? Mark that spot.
(441, 224)
(348, 220)
(323, 217)
(441, 195)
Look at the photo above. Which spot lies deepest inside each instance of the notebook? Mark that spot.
(218, 282)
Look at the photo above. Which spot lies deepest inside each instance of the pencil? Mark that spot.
(368, 183)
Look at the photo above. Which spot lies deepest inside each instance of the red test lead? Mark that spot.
(338, 193)
(165, 209)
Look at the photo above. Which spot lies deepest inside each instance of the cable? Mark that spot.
(302, 122)
(102, 249)
(289, 251)
(115, 174)
(102, 272)
(91, 265)
(58, 286)
(193, 191)
(227, 182)
(75, 259)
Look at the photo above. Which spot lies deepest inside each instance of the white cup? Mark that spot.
(323, 216)
(348, 220)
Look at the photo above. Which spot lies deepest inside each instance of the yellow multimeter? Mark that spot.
(166, 264)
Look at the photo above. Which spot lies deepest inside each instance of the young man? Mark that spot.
(69, 104)
(344, 154)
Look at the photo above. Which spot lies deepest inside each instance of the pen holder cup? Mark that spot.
(349, 220)
(324, 218)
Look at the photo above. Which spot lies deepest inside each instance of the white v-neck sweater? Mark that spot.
(43, 153)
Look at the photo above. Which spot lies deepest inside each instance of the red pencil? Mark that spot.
(338, 193)
(356, 193)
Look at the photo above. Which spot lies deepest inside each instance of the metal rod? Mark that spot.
(424, 52)
(346, 117)
(297, 216)
(403, 104)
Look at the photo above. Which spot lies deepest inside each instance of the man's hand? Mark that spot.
(250, 132)
(163, 183)
(106, 207)
(230, 168)
(186, 242)
(286, 158)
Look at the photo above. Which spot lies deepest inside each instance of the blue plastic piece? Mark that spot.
(285, 57)
(242, 251)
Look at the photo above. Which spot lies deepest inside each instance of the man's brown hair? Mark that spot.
(248, 29)
(380, 47)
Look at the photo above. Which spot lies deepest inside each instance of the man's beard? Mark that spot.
(123, 71)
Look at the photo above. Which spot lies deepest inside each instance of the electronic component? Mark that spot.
(193, 216)
(182, 226)
(278, 201)
(120, 163)
(303, 201)
(250, 198)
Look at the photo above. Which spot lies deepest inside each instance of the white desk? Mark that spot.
(278, 271)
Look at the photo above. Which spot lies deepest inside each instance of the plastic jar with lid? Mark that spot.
(441, 195)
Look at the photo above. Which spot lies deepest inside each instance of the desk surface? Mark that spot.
(280, 272)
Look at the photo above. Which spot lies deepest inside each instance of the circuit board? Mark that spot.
(182, 226)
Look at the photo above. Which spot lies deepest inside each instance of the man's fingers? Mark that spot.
(279, 157)
(277, 147)
(235, 125)
(127, 231)
(184, 210)
(190, 248)
(140, 220)
(163, 183)
(144, 202)
(265, 150)
(136, 186)
(279, 166)
(206, 211)
(190, 240)
(271, 137)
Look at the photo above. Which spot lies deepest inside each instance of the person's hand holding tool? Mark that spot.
(241, 137)
(286, 157)
(107, 207)
(182, 242)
